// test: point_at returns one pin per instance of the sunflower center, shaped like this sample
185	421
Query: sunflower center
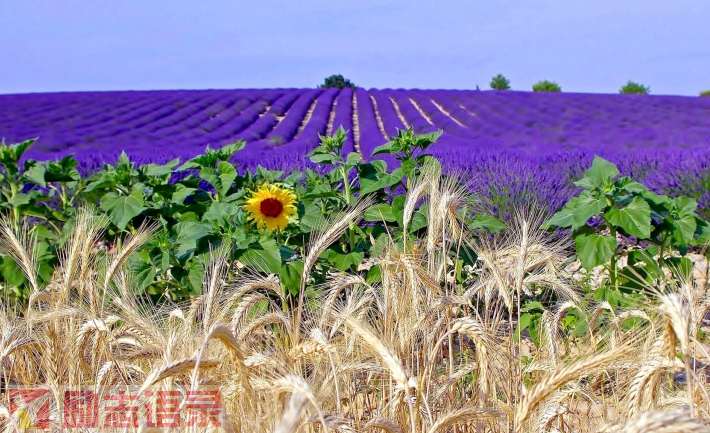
271	207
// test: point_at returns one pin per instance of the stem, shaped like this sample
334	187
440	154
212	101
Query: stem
348	201
614	269
15	209
48	221
689	383
662	251
64	197
346	185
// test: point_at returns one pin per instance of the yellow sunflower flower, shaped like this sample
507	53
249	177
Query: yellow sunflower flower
271	206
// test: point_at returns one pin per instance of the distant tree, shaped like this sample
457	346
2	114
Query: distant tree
499	82
337	81
635	88
546	86
705	93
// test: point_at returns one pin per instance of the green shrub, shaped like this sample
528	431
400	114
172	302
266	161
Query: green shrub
634	88
338	82
705	93
499	82
546	86
210	205
665	228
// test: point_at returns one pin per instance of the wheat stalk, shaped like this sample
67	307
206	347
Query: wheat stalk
173	368
662	422
463	415
537	394
383	423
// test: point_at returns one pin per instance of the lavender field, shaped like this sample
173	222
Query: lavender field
514	146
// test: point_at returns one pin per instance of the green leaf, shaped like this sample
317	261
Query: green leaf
220	212
409	167
532	306
398	209
143	270
594	250
10	155
309	216
419	220
263	256
123	162
11	273
644	260
629	185
63	170
682	267
344	261
374	275
228	150
654	199
380	212
290	276
322	158
268	175
188	235
320	191
578	211
36	174
487	222
374	177
122	209
683	230
607	293
292	178
385	148
181	193
193	280
20	200
221	178
600	174
525	320
634	218
685	205
702	232
353	159
155	170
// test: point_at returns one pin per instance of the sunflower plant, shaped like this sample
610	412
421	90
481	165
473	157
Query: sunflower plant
263	218
271	207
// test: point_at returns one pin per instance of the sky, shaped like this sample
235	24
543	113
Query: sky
584	45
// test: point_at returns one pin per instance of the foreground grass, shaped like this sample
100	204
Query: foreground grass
418	352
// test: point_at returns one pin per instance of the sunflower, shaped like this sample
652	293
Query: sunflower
271	206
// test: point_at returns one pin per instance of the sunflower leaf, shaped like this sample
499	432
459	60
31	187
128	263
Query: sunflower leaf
263	256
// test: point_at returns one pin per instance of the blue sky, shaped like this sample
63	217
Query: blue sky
586	46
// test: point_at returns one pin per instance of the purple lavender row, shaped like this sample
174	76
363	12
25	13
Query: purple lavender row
262	125
61	118
409	111
188	118
288	126
439	118
388	114
344	117
281	106
318	123
227	128
370	134
64	135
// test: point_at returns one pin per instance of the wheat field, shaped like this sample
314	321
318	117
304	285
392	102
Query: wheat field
418	352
